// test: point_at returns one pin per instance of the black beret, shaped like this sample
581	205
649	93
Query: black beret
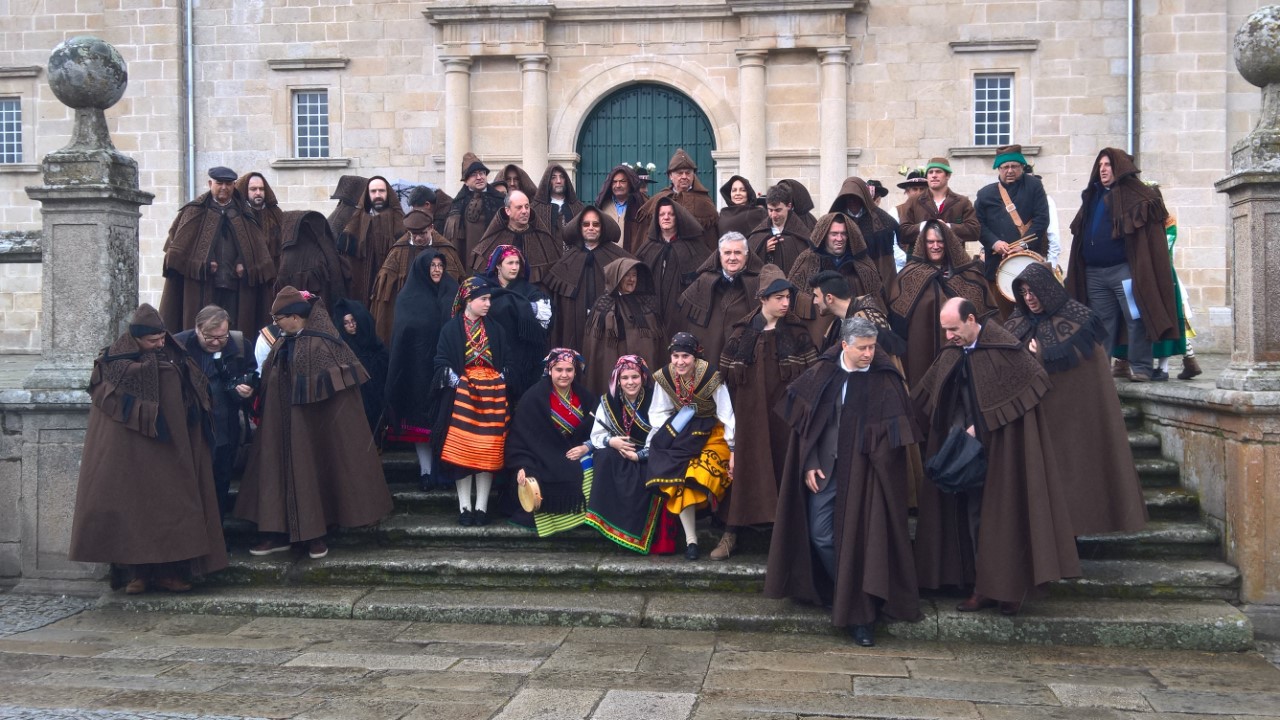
222	174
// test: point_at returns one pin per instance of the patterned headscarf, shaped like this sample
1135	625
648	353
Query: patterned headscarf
685	342
500	253
472	287
563	355
629	362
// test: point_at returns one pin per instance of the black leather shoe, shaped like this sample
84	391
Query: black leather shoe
691	551
863	635
466	519
480	517
1159	376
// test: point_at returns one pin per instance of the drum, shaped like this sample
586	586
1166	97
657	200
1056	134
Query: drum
1011	266
530	495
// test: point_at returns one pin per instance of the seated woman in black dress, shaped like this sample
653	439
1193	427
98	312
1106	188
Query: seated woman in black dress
620	506
549	441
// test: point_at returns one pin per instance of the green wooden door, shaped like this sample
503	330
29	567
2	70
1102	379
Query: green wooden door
643	123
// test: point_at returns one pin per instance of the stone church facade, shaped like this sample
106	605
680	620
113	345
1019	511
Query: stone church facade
308	90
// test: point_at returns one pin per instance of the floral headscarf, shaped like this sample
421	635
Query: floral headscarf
685	342
472	287
500	253
629	362
564	355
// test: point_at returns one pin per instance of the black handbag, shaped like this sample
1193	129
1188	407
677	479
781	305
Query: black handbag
960	463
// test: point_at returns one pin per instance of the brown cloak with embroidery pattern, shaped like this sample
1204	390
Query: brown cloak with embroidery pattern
855	265
793	241
367	238
270	217
622	325
577	280
713	303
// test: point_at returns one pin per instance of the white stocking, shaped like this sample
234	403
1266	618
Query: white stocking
484	481
688	520
464	493
424	458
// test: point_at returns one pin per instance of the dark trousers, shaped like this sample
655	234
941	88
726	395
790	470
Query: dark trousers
822	533
224	465
1108	299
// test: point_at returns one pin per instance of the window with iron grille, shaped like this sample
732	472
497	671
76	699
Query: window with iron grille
311	123
10	130
992	109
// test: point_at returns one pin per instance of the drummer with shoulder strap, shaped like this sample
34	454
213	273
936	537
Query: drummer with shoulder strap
1014	213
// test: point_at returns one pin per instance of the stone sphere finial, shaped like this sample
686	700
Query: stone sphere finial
1257	47
86	72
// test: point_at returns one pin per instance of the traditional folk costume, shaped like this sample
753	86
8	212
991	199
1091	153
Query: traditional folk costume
802	204
372	353
523	311
672	264
1103	491
793	241
879	229
313	463
691	440
619	505
395	269
955	210
423	307
270	217
855	264
1024	536
740	218
713	302
697	201
847	545
548	423
997	206
556	216
625	214
622	323
309	256
149	410
348	192
470	434
917	294
471	211
367	239
578	279
1180	344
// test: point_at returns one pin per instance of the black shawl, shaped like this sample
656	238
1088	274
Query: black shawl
372	354
422	309
1065	330
537	445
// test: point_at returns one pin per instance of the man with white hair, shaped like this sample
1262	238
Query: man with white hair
723	292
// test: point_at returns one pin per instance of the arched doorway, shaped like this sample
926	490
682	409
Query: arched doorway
645	123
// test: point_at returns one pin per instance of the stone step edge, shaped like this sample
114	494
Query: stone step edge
1205	625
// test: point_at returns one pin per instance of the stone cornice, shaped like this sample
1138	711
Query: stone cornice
772	7
990	46
310	163
988	151
20	71
335	63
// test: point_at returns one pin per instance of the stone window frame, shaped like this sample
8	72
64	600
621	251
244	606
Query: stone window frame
307	145
286	150
20	82
1008	56
1011	109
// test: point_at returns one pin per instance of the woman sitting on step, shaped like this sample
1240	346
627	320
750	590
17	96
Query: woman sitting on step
550	442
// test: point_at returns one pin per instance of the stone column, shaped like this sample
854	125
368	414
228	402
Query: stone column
533	84
457	115
89	204
833	106
752	161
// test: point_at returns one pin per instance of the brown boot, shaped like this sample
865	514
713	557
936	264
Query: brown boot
727	543
1120	369
1190	368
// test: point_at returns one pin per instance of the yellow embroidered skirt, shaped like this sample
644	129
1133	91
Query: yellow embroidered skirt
705	477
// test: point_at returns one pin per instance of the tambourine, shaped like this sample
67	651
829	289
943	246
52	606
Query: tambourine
530	495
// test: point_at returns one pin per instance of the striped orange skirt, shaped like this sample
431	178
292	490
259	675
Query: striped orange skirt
477	433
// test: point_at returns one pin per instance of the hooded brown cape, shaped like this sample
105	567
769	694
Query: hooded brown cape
1137	215
1104	492
395	271
739	218
673	265
578	279
801	202
189	282
539	248
873	430
470	216
367	238
917	295
313	463
757	365
710	306
957	211
622	325
793	241
879	229
309	257
554	219
699	204
1026	538
855	264
348	192
270	217
150	410
633	229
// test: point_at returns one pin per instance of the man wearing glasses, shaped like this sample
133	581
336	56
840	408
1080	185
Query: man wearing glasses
233	376
1010	209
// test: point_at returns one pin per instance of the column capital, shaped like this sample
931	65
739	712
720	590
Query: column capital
456	63
751	58
832	55
534	62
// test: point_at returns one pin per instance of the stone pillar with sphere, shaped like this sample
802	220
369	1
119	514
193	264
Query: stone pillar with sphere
89	205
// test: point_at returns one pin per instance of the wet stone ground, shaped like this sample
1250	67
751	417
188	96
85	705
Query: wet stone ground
60	659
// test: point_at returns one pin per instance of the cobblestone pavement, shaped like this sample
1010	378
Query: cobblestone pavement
19	613
116	665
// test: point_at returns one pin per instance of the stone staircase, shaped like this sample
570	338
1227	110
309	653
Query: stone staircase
1163	587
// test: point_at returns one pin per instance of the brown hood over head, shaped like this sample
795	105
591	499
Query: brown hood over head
681	161
544	187
242	187
687	226
854	187
350	189
801	200
1122	165
609	230
525	185
146	320
393	201
1048	290
614	271
856	244
725	188
637	194
956	255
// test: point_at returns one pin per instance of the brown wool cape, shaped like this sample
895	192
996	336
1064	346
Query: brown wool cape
757	365
633	229
873	430
917	294
149	412
855	265
555	218
395	271
366	240
801	202
711	304
699	204
188	280
793	241
1026	537
1102	485
578	279
539	248
471	212
739	218
673	265
313	463
309	256
622	325
957	212
1137	215
270	217
348	192
879	229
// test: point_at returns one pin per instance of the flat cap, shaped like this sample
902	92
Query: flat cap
222	174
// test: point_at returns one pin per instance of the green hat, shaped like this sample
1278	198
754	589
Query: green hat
940	163
1009	153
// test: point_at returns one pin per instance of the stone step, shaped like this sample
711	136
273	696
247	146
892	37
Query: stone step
618	570
1171	503
1204	625
1144	444
1158	472
1160	539
1132	416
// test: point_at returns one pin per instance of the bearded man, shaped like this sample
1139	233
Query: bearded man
262	200
556	202
621	198
369	235
217	254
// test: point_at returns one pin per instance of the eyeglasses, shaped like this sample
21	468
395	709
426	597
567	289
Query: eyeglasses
1024	291
214	338
1010	166
588	223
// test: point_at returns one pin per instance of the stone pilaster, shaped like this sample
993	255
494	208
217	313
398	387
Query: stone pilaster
457	114
752	118
833	108
533	83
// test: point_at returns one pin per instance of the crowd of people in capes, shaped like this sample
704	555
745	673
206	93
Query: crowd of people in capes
631	363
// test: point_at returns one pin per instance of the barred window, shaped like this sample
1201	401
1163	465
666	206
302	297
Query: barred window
992	109
311	123
10	130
